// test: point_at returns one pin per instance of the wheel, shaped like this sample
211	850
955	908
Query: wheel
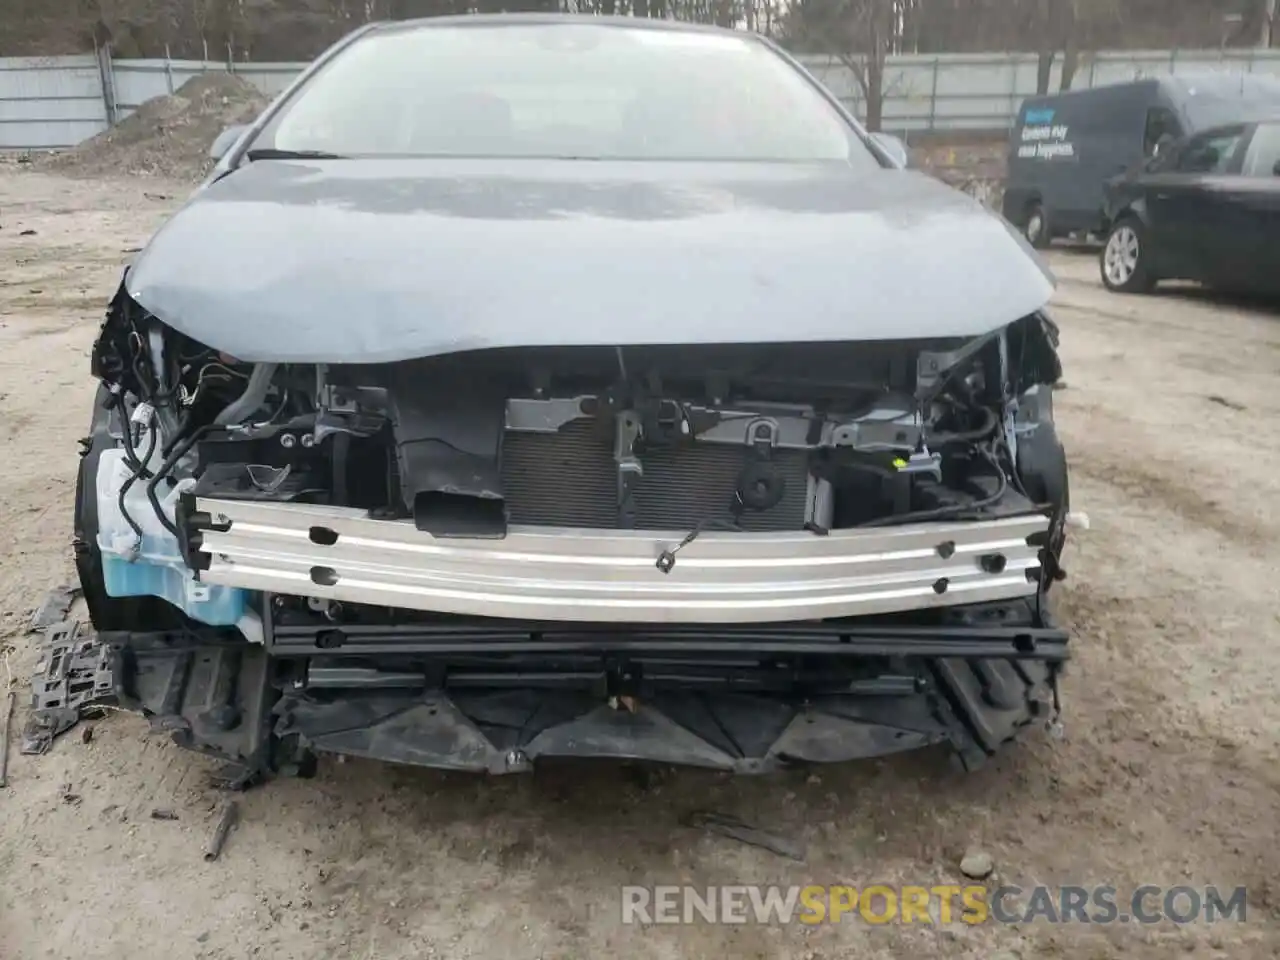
1123	260
1036	226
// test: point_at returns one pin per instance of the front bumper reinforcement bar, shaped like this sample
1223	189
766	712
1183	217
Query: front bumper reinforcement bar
611	576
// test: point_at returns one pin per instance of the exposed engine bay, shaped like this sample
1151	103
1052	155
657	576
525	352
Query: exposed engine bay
685	553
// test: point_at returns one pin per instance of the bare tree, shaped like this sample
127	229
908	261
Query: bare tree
1267	29
201	12
860	34
1070	27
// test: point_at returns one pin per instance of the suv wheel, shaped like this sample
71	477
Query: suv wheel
1036	227
1123	260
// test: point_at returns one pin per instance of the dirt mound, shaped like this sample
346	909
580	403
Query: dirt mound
167	136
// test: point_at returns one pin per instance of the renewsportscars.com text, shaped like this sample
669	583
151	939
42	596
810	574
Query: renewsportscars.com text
938	904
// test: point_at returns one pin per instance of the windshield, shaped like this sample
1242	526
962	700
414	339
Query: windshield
563	90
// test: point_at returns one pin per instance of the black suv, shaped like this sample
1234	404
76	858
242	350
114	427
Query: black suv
1206	208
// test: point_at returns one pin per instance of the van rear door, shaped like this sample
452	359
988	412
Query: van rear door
1079	141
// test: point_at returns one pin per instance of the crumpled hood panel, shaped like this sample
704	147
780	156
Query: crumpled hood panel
364	261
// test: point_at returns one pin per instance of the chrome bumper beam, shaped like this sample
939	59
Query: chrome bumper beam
602	576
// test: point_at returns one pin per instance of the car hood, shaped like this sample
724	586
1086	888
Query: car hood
363	261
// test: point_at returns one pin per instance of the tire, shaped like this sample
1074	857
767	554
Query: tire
1123	261
1035	226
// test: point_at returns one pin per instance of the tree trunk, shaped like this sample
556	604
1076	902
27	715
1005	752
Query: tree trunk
875	113
1044	72
1070	62
1045	46
875	86
1068	33
871	75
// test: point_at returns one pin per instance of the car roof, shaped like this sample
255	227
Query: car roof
1218	85
1101	90
1228	86
558	19
1243	120
1215	100
1204	101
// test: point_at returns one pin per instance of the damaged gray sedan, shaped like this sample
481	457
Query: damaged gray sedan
521	387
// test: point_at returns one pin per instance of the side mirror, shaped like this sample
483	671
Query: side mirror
893	147
226	140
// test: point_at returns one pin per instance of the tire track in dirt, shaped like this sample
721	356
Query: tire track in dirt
1180	497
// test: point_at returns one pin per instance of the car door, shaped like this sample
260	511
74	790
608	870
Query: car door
1184	202
1252	213
1132	194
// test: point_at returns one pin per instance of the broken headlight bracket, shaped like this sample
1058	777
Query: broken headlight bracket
73	673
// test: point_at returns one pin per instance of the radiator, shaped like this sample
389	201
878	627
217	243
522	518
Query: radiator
569	479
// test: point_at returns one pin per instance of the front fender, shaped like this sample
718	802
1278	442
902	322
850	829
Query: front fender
1126	207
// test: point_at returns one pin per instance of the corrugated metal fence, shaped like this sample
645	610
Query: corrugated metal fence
53	102
50	101
984	91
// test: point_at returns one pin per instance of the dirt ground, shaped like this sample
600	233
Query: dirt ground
1168	773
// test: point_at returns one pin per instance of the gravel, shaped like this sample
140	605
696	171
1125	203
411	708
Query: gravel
977	865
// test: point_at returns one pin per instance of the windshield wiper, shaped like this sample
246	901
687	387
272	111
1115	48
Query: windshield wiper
276	153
